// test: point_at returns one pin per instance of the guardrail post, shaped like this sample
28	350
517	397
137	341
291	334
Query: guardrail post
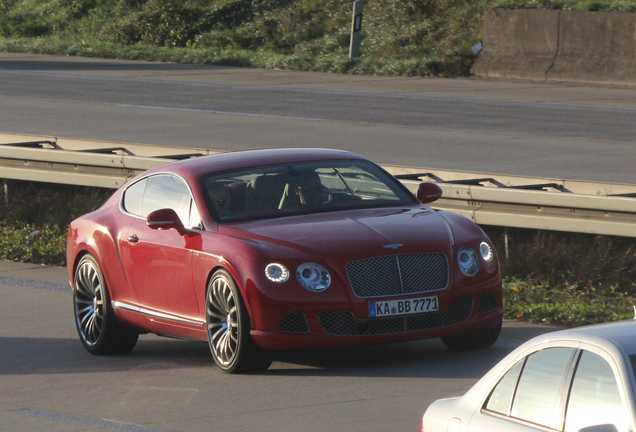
506	245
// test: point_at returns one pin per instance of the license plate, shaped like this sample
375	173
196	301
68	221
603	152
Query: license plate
403	307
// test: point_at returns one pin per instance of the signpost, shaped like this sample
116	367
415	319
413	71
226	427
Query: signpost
356	26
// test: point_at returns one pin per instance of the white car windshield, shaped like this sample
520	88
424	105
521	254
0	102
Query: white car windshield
301	188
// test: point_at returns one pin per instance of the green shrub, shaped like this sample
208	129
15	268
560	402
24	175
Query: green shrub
37	203
567	306
567	279
34	218
31	243
560	259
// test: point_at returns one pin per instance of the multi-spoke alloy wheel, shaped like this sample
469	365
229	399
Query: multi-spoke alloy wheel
228	328
223	322
96	324
89	302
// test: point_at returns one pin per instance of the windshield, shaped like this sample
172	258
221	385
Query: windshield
284	190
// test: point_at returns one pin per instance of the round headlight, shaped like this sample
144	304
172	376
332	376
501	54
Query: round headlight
486	252
277	273
313	277
468	261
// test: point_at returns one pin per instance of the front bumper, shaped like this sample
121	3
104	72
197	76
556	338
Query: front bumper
337	328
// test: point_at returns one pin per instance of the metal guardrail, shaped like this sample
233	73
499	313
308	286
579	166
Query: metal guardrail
82	162
488	199
532	202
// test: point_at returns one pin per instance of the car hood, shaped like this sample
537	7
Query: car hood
354	234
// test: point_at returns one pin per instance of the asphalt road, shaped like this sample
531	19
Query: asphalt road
48	382
536	129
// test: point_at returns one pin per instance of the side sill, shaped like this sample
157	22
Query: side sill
155	314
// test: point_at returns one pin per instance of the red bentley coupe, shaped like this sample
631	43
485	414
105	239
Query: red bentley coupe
277	249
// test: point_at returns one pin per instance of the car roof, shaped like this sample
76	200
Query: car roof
619	333
251	158
615	337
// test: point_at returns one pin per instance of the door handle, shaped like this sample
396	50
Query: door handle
132	239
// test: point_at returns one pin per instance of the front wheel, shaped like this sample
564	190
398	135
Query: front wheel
480	339
228	328
96	323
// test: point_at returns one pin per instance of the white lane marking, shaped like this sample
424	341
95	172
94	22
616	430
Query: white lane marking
219	112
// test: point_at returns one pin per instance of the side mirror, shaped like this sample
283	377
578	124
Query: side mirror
428	192
166	219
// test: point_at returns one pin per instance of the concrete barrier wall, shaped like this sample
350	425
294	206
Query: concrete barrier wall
518	43
546	45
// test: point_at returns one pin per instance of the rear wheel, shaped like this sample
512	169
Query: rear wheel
480	339
98	329
229	328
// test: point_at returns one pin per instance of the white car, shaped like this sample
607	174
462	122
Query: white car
576	380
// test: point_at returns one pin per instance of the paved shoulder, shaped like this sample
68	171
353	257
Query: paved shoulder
34	276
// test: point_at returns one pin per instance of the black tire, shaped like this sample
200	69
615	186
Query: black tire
480	339
97	326
228	327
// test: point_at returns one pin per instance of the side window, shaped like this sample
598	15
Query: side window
594	396
169	191
500	399
539	391
133	197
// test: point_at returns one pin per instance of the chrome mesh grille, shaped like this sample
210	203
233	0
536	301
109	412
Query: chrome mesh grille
487	303
346	324
294	323
398	274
